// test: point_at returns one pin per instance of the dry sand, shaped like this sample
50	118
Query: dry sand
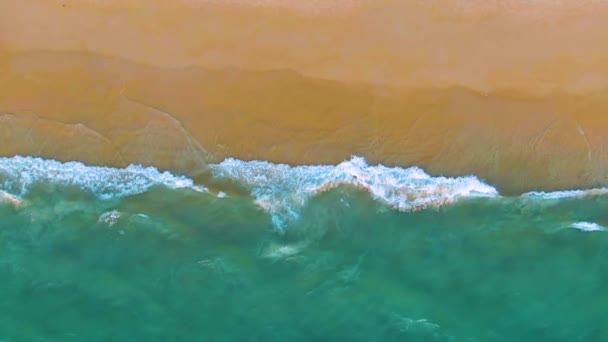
515	92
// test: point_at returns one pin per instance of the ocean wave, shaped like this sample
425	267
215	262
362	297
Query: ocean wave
18	174
283	190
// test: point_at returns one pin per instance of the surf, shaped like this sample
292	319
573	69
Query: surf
19	174
280	190
283	190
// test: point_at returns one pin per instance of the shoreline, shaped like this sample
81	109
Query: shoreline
511	91
282	191
113	112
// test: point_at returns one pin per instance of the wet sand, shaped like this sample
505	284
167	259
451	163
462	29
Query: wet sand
517	95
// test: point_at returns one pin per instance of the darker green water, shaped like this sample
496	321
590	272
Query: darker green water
175	265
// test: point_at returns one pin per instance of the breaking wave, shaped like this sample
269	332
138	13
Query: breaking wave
282	190
18	174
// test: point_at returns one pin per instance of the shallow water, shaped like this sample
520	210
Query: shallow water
168	261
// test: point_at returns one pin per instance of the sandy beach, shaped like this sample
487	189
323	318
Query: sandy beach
510	91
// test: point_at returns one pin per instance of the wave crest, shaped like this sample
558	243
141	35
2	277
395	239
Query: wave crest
18	174
282	189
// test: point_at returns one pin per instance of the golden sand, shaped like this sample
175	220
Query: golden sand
536	46
512	91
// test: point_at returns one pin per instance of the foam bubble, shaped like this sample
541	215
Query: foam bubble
18	174
110	217
282	189
588	226
277	251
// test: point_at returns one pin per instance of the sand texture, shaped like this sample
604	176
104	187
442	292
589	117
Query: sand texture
514	92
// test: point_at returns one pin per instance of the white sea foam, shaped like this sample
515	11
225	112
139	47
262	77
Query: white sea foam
18	174
565	193
110	217
588	226
282	189
277	251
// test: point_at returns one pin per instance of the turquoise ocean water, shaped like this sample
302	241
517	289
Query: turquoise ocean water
268	252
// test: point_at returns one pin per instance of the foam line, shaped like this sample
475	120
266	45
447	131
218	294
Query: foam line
18	174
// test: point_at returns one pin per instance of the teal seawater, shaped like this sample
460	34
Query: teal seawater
166	261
